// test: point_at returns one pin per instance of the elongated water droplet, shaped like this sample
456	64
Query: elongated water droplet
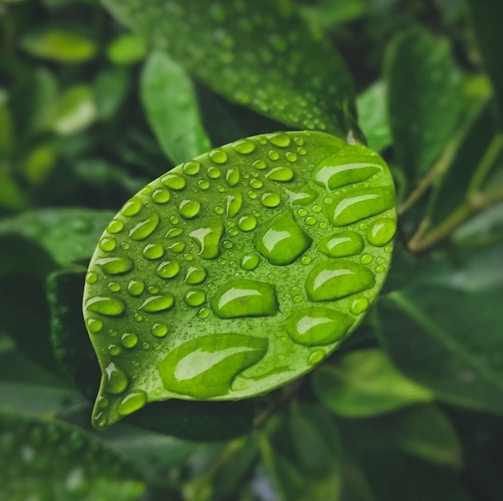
245	298
174	181
115	265
283	174
282	241
334	280
302	195
341	170
208	239
280	140
132	402
232	176
244	146
381	231
155	304
145	228
233	203
344	243
108	306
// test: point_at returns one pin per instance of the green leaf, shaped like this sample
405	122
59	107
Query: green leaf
365	383
424	98
302	455
373	116
67	235
451	344
59	44
126	49
421	430
110	89
74	111
292	76
171	107
327	14
485	16
270	234
53	460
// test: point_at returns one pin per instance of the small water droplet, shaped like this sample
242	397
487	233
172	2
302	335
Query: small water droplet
115	265
114	350
270	199
168	269
108	306
256	184
273	155
280	140
116	380
218	155
173	181
259	164
189	208
244	146
153	251
174	232
131	207
366	259
291	156
232	176
132	402
135	287
115	226
159	329
91	277
381	231
107	244
359	305
161	196
195	298
247	223
191	168
114	286
339	170
301	195
233	203
249	262
204	313
316	357
213	172
129	340
155	304
144	228
176	247
203	184
195	275
94	325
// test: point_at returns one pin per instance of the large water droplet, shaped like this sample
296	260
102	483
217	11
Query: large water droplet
317	326
144	228
361	204
132	402
208	239
115	265
333	280
282	241
344	243
381	231
111	307
245	298
155	304
342	170
116	380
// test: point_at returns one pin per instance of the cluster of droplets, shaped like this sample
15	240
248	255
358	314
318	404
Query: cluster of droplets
252	229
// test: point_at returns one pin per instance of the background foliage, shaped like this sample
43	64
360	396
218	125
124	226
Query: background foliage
410	407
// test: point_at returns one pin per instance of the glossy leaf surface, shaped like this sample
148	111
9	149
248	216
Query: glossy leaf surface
238	271
306	83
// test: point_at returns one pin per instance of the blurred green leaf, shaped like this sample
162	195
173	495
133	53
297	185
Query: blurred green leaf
172	109
126	49
365	383
59	44
373	116
447	340
55	461
484	228
327	14
421	430
290	76
11	195
45	96
39	163
74	111
424	98
110	89
485	16
68	235
6	131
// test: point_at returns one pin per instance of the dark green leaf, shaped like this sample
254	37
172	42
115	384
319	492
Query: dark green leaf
424	98
365	383
268	244
55	461
290	76
448	340
172	109
110	89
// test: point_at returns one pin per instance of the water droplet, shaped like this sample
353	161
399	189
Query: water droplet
94	325
270	199
380	269
311	220
168	269
91	277
232	176
249	262
302	151
195	298
153	289
107	244
244	146
361	204
115	226
339	170
144	228
247	223
195	275
204	313
114	286
131	207
135	287
176	247
305	260
359	305
291	156
116	380
155	304
204	184
282	241
244	298
159	329
381	231
189	208
256	184
161	196
344	243
213	172
302	195
282	174
208	239
233	203
317	326
173	181
334	280
366	259
280	140
218	156
111	307
273	155
153	251
114	350
316	357
132	402
174	232
259	164
115	265
191	168
129	340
